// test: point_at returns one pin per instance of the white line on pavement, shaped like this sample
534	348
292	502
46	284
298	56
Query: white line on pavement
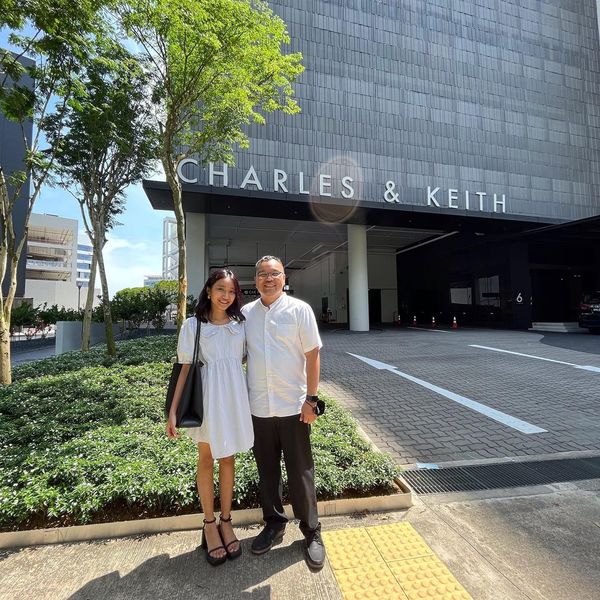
433	330
560	362
492	413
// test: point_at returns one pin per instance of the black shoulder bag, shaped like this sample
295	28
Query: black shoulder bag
190	410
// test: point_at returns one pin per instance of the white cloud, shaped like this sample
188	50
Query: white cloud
127	262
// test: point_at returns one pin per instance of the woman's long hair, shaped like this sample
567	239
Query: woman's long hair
203	306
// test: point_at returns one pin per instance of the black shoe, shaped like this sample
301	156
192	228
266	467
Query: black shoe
266	539
211	559
315	549
230	553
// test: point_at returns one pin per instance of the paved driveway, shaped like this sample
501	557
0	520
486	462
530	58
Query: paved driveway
445	398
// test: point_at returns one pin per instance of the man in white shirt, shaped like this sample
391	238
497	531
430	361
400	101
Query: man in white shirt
283	376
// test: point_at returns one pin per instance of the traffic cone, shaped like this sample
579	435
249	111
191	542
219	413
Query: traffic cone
414	320
433	321
454	323
398	320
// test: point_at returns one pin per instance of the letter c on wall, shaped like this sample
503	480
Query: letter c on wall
182	177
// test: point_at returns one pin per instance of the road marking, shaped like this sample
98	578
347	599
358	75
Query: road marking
434	330
492	413
560	362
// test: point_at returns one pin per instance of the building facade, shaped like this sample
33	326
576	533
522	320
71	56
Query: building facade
57	267
85	252
434	137
12	154
152	280
170	249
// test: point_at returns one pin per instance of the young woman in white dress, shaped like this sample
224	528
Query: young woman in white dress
227	425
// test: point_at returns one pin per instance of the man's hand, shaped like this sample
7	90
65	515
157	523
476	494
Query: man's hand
307	414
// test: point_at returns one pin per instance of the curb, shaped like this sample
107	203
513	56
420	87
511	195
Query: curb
250	516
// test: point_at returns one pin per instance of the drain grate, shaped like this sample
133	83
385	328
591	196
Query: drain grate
501	475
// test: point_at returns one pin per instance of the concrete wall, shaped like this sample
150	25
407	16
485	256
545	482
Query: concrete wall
68	335
63	293
314	283
329	278
382	276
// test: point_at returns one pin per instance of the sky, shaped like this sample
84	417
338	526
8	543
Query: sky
134	248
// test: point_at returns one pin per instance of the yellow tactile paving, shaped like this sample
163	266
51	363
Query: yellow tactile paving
398	540
348	548
374	581
389	562
427	577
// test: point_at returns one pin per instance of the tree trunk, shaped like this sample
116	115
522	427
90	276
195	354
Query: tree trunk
9	257
89	305
5	369
110	338
175	185
6	305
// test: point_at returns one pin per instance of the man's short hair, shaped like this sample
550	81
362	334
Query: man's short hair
267	258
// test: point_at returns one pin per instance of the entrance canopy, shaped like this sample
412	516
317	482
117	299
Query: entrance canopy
243	224
581	230
357	261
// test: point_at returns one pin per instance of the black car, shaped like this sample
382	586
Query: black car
589	312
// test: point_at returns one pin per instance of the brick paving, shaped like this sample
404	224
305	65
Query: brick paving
414	424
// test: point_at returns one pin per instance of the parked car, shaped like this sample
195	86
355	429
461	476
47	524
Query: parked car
589	312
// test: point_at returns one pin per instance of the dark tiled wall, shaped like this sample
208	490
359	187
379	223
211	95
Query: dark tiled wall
494	96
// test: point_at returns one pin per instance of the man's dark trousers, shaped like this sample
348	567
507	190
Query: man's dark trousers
272	436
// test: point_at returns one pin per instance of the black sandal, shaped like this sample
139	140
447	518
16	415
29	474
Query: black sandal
230	554
212	560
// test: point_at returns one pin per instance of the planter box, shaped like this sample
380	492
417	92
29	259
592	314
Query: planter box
68	335
328	508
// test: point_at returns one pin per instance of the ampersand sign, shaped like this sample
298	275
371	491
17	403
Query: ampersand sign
390	195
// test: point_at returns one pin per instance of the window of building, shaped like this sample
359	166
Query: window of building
488	291
461	295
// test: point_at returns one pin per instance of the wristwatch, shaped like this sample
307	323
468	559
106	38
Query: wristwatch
318	406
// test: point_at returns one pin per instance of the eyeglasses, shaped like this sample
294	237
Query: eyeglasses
273	274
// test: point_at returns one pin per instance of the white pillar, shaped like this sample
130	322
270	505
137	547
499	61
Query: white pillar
195	241
358	278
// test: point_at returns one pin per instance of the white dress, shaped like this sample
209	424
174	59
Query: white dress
227	425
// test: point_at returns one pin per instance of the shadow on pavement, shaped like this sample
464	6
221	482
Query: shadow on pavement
188	575
580	342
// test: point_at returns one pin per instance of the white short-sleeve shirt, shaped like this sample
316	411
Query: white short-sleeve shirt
277	338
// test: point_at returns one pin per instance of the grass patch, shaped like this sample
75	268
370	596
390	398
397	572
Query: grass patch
82	440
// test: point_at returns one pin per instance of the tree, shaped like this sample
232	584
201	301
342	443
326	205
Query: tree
58	46
106	143
129	305
157	300
217	66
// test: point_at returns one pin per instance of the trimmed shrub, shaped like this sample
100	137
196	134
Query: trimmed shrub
85	443
160	348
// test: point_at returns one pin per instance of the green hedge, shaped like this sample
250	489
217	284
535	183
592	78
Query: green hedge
82	443
160	348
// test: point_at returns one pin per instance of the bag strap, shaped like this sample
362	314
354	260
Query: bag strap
197	341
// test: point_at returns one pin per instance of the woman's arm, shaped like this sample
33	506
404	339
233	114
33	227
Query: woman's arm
172	420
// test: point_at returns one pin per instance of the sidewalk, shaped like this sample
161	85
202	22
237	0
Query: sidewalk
27	355
173	566
521	544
